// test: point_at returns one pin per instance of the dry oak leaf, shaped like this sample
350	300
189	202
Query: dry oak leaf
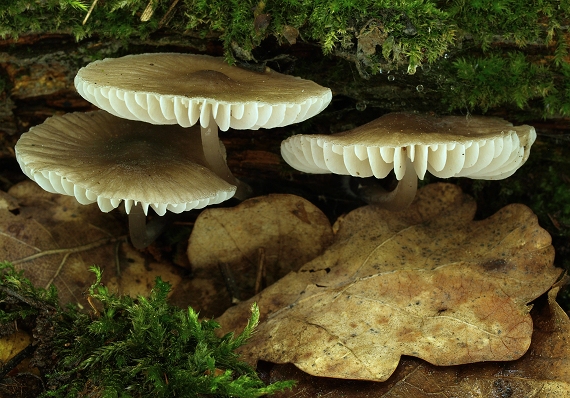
12	344
428	282
286	230
55	240
544	371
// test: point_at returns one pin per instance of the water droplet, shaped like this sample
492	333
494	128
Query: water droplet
380	71
420	88
426	68
391	78
446	56
360	106
451	88
412	69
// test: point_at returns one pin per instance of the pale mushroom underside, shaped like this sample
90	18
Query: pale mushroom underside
239	104
55	183
489	158
59	157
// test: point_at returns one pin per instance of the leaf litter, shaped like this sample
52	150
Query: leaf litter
55	240
429	282
544	371
260	240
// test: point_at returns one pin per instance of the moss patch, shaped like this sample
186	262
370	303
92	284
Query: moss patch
493	43
126	347
495	79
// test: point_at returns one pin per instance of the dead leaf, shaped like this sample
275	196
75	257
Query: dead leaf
203	294
281	231
429	282
54	239
12	344
7	202
137	275
15	351
290	33
372	35
544	371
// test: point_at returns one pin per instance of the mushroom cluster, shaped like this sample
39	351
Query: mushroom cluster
185	89
412	144
145	148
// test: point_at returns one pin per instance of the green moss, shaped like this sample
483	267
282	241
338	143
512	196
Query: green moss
520	21
492	42
31	301
130	347
119	19
508	79
406	32
502	76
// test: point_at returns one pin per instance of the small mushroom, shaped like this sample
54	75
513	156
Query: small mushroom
410	144
98	157
168	88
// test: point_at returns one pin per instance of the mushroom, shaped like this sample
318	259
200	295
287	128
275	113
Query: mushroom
98	157
169	88
410	144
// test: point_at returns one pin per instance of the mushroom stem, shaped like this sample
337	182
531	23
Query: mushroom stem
217	159
399	198
142	233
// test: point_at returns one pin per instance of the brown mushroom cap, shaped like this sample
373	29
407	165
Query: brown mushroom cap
98	157
453	146
168	88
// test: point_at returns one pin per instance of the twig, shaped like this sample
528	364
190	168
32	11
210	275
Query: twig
261	270
117	260
89	12
148	11
63	260
93	307
230	281
165	18
70	250
16	359
27	300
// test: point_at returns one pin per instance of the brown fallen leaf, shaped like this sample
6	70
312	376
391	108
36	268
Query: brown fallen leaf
429	282
12	344
55	240
280	232
7	202
544	371
15	351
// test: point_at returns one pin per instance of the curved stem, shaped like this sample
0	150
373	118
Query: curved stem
142	233
217	160
400	197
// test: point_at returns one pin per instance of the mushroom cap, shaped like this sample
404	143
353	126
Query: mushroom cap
169	88
98	157
477	147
